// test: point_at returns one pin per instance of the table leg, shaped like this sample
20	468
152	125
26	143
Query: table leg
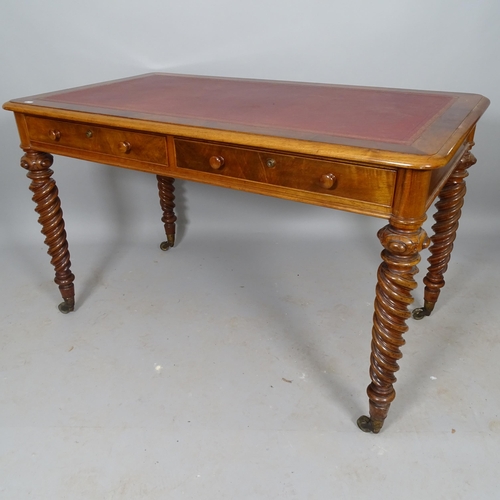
393	296
166	189
451	200
48	206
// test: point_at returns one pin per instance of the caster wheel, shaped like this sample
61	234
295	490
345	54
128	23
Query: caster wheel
164	245
66	307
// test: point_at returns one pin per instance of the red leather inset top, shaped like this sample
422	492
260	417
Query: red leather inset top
393	116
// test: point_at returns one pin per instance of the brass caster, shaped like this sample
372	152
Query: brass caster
419	313
366	424
164	245
422	312
66	306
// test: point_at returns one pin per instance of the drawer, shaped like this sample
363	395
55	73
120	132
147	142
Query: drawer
368	184
121	143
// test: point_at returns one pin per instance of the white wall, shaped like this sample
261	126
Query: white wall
430	44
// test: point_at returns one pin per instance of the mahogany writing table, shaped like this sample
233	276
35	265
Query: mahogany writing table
380	152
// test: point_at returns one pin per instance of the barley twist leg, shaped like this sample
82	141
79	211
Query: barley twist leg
393	296
449	210
48	207
166	190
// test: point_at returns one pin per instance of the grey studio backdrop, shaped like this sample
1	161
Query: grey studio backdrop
66	428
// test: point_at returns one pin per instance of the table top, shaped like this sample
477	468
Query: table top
421	128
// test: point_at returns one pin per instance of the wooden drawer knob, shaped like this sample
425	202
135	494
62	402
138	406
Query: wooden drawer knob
216	162
124	147
327	181
55	135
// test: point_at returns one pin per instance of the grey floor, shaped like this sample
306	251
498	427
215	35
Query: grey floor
235	366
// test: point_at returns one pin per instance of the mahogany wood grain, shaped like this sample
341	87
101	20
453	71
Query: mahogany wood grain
393	297
405	128
382	152
451	200
104	140
166	189
48	207
268	167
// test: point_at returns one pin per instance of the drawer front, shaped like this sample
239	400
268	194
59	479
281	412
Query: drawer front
373	185
104	140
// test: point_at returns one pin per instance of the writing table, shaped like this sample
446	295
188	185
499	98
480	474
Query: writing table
380	152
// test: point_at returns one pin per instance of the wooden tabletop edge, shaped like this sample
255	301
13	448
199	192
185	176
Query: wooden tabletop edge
348	153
